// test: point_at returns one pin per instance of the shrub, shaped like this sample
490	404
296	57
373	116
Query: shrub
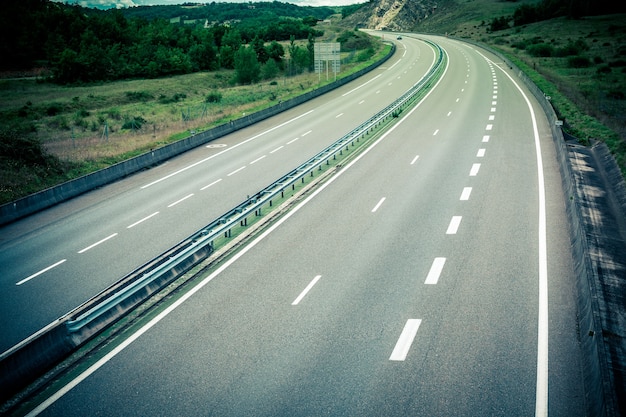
213	97
134	123
541	50
578	62
142	96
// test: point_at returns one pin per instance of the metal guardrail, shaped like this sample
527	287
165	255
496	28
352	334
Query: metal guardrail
58	339
222	225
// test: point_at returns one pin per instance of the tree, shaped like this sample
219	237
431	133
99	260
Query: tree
247	67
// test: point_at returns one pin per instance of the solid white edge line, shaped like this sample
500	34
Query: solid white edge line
435	271
36	274
97	243
541	400
93	368
403	345
142	220
306	290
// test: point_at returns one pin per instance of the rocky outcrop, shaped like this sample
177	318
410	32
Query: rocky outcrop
394	15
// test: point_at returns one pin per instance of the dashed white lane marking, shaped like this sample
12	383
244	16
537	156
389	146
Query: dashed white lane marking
258	159
142	220
474	170
226	150
306	290
481	152
435	271
489	127
36	274
181	200
97	243
377	206
339	115
465	194
236	171
435	132
486	138
292	141
401	350
277	149
453	227
415	159
209	185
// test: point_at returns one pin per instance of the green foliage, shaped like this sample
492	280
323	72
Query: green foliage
578	61
213	97
134	123
354	40
499	23
247	67
541	50
83	45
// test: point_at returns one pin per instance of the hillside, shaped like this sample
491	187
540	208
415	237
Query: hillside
583	58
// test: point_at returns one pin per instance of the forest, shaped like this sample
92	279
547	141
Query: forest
85	45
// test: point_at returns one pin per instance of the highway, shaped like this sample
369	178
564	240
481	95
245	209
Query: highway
431	276
57	259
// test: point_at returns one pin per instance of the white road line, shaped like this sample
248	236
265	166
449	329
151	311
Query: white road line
453	227
258	159
339	115
541	396
97	243
486	138
131	338
362	85
236	171
435	133
306	133
481	152
493	109
415	159
362	101
292	141
492	117
474	170
449	113
36	274
306	290
225	150
377	206
209	185
489	127
142	220
401	350
435	271
277	149
181	200
465	195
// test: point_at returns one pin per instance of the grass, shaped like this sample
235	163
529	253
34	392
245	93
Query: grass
90	127
590	99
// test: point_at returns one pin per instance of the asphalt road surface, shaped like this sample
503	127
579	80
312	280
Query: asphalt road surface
432	276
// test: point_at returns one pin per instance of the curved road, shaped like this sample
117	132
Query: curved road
56	260
431	276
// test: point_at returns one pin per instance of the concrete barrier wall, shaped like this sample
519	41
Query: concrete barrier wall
47	198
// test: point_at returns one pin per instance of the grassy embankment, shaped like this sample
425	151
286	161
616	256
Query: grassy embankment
88	127
585	74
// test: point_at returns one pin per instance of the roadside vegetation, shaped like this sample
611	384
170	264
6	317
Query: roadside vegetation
577	56
52	131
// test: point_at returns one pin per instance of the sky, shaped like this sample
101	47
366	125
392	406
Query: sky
101	4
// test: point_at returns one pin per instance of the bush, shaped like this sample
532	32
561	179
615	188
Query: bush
142	96
541	50
134	123
578	62
213	97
